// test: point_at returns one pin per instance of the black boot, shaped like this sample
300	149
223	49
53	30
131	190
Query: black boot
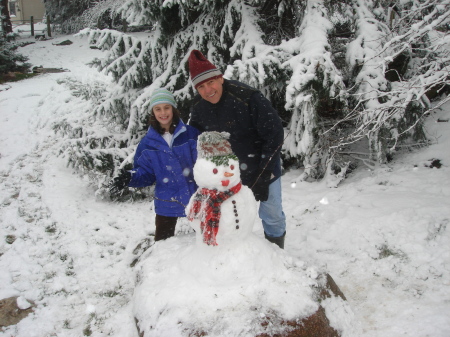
278	241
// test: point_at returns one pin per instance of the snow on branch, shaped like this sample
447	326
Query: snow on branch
388	111
313	71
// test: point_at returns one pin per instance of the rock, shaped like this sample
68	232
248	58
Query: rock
10	313
63	43
434	163
10	239
48	70
329	288
316	325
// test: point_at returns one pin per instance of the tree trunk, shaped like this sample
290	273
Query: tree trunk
6	21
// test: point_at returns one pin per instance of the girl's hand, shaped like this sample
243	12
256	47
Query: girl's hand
118	183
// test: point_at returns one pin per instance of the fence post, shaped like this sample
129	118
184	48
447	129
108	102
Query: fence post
32	25
49	31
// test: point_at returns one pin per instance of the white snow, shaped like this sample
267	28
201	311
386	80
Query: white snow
22	303
383	234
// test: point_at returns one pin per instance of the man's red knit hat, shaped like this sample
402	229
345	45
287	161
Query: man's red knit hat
201	69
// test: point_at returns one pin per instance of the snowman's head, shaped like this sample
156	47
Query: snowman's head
220	173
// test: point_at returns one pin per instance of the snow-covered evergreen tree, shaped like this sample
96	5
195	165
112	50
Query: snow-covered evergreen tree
393	56
70	16
313	92
329	67
10	58
6	27
371	89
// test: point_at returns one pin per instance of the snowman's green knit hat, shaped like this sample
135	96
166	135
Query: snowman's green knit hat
215	146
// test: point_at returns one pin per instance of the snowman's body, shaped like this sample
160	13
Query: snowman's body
238	212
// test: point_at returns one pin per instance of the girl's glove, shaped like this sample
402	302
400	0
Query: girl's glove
117	184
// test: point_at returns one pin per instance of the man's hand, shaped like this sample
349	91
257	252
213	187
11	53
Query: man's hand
117	184
260	187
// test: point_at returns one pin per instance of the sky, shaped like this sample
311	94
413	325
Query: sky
382	234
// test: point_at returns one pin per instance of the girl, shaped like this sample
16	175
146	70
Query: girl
165	156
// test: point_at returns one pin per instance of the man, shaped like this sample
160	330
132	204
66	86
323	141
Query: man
256	136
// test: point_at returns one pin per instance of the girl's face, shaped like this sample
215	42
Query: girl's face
163	114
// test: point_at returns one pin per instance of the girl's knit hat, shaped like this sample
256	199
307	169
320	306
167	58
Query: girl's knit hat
201	69
161	96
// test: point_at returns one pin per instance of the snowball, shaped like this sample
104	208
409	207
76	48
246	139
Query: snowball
22	303
90	308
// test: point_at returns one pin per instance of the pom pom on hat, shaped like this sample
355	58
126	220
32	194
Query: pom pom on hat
201	69
161	96
214	144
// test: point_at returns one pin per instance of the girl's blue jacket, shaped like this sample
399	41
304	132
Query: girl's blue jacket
170	166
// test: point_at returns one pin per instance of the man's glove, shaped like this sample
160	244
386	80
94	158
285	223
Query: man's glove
119	183
260	187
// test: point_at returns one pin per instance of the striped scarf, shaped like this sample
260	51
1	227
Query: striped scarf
206	207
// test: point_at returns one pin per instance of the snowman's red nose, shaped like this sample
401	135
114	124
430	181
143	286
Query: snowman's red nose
227	174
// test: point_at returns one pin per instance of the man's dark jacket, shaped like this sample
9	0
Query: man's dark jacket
256	132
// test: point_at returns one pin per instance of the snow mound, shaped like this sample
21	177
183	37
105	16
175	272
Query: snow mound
227	290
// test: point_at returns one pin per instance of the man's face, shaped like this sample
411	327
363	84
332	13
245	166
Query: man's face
211	90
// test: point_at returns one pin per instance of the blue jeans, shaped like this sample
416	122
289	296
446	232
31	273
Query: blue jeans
271	212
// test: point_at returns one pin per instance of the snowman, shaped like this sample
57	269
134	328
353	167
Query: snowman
230	282
222	210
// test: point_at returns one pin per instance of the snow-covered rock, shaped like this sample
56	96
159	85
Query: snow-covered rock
14	309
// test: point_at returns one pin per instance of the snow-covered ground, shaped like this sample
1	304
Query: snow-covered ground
383	234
